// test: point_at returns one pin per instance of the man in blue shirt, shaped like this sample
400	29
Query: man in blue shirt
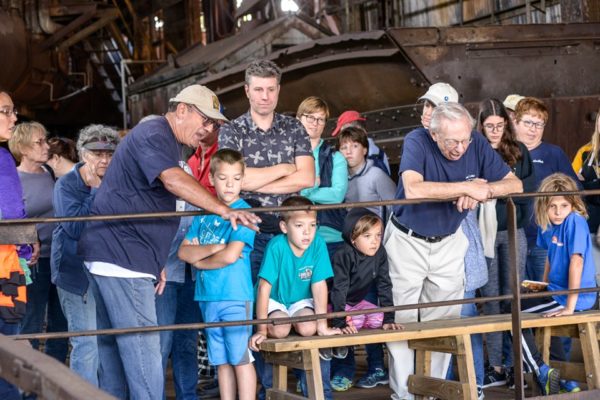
424	242
126	257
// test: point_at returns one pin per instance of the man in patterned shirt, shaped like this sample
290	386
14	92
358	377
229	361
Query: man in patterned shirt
276	149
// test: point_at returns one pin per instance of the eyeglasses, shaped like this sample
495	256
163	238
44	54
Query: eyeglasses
208	123
499	127
452	144
311	119
9	111
531	124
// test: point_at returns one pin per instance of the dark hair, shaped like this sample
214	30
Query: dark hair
63	147
508	147
354	134
295	201
227	156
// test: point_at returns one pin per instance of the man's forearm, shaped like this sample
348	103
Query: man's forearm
506	186
187	188
289	184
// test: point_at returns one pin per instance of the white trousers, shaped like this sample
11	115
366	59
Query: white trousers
422	272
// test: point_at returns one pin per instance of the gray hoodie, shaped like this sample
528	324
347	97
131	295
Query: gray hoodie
371	184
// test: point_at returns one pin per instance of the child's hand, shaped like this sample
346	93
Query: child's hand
327	331
255	340
564	311
393	327
349	329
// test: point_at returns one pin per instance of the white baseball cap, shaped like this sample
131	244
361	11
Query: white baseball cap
439	93
203	98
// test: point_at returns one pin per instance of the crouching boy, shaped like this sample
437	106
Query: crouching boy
223	282
292	279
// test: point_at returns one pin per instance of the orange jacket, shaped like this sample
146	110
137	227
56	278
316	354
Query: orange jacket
13	294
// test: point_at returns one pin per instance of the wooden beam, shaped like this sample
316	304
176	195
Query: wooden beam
67	29
17	234
106	16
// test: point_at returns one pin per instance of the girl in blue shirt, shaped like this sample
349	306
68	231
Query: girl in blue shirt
564	233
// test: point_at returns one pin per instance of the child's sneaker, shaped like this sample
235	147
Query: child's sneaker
340	383
569	386
325	354
480	395
494	378
379	377
549	380
510	379
340	352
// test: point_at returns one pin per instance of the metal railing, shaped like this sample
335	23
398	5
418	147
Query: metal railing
21	365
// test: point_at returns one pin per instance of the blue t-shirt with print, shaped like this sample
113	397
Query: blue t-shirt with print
232	282
421	154
290	276
547	159
132	185
562	241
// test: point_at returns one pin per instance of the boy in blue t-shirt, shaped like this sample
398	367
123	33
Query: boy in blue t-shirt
292	277
223	282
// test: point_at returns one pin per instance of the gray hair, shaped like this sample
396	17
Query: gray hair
263	69
95	132
449	112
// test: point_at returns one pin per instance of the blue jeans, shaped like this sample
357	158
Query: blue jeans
80	312
130	365
42	303
536	261
346	367
8	391
470	310
177	306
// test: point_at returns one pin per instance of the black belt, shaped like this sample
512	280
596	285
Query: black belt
410	232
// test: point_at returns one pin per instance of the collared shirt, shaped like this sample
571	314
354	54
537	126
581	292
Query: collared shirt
200	165
282	143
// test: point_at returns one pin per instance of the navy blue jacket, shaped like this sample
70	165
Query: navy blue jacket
72	197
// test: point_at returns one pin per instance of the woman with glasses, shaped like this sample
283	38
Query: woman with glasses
62	155
495	124
12	257
531	116
29	147
331	172
73	195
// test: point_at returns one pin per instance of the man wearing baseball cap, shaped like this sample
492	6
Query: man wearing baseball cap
425	244
353	118
126	257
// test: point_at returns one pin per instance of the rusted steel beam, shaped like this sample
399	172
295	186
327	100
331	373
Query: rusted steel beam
67	29
34	371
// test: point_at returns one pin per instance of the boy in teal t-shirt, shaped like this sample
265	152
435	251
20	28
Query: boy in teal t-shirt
223	282
292	277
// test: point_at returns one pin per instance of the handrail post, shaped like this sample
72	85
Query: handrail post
516	302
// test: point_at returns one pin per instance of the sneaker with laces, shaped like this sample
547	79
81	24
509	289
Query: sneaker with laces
510	379
325	354
378	377
549	380
569	386
494	378
340	383
340	352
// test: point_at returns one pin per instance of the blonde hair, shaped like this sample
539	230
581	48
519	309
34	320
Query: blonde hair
312	105
556	183
365	223
22	137
594	143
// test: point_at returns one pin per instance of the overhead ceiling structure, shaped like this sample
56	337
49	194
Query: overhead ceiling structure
382	73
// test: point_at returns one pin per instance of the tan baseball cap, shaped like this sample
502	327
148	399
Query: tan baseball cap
203	98
512	100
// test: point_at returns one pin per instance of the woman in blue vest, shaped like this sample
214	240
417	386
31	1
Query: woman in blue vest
331	173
